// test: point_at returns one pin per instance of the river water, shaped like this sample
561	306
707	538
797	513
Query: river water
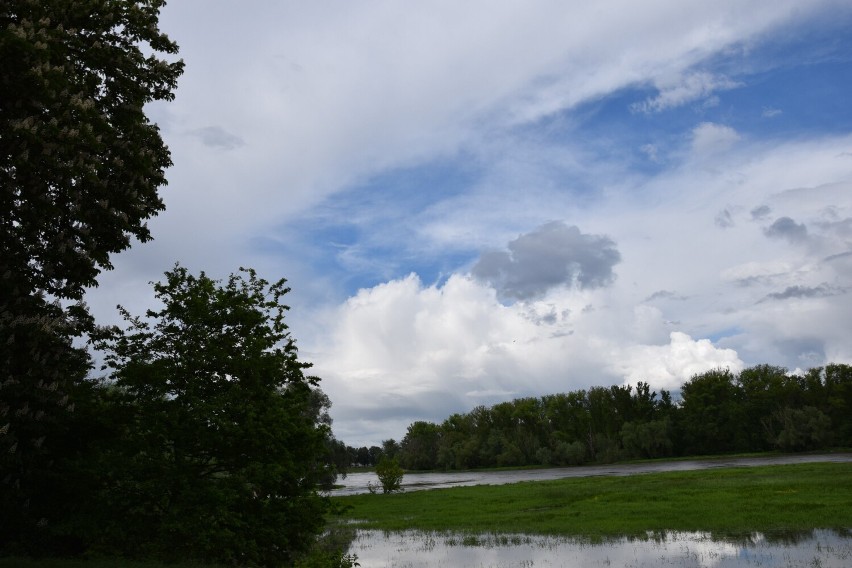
356	483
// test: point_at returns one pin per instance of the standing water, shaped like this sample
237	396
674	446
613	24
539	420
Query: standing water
415	549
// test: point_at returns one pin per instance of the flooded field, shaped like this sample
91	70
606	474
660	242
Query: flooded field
415	549
356	483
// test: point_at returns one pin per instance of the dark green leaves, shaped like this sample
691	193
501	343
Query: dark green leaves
225	439
80	164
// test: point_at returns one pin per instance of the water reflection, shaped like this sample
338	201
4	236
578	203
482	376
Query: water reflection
415	549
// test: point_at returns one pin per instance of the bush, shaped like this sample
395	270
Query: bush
390	474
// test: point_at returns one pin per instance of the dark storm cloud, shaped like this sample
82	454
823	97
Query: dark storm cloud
550	256
786	228
217	137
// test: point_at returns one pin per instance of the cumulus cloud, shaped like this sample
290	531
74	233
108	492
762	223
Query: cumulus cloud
428	351
787	228
709	138
680	90
553	255
433	350
668	366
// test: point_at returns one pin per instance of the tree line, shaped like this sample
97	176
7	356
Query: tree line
761	408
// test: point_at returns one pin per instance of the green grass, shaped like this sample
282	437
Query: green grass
722	501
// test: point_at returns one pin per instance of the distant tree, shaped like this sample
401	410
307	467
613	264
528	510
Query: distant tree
80	169
390	474
376	454
530	428
800	429
764	390
336	461
837	401
362	455
419	447
712	414
604	423
225	445
647	439
390	448
457	445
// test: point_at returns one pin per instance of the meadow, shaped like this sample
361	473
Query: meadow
727	501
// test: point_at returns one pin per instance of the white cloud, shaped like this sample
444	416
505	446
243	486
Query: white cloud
437	350
323	95
668	366
677	91
709	139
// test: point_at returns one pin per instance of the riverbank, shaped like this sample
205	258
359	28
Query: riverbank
731	500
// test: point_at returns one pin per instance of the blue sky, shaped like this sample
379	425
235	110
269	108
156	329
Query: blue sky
478	201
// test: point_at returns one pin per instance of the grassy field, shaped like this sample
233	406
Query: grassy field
723	501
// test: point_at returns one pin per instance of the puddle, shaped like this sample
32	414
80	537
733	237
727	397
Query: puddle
416	549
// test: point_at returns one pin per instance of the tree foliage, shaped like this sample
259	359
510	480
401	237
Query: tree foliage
80	168
80	163
223	436
42	373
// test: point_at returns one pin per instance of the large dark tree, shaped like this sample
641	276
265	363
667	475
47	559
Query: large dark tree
80	167
224	440
80	163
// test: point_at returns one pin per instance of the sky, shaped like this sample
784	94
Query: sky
484	200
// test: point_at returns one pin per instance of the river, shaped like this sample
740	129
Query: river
357	483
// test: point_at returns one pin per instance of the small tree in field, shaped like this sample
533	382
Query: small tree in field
224	446
390	474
